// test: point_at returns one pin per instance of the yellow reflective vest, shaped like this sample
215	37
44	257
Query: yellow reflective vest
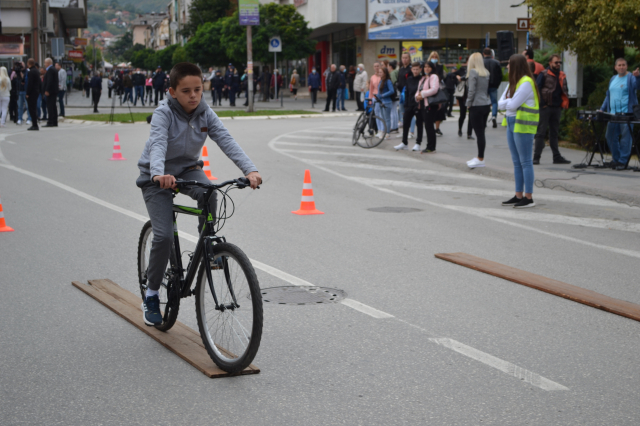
527	117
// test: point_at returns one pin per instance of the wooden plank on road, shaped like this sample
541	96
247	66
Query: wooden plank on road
181	340
548	285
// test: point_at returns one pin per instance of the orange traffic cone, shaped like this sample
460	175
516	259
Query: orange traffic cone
206	169
117	155
307	205
3	224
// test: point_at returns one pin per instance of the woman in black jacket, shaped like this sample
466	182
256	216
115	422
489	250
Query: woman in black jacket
461	76
411	108
441	114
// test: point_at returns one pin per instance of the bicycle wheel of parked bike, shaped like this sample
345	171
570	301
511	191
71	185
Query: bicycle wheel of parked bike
366	135
357	128
232	332
168	309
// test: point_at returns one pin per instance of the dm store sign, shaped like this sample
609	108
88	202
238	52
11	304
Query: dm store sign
403	19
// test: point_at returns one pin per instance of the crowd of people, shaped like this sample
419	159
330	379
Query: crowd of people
131	85
35	90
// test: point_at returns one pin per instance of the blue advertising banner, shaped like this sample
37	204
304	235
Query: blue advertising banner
249	12
403	19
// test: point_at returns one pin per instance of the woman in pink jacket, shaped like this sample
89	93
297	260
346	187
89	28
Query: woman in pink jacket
428	86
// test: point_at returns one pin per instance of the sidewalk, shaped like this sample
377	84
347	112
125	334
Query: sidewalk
454	151
78	104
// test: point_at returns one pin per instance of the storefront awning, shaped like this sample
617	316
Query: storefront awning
74	17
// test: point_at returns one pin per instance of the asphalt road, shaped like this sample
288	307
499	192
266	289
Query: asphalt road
443	344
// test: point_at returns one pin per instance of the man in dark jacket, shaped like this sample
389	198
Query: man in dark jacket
403	73
158	84
232	83
217	83
314	85
128	87
32	85
554	97
51	92
333	83
411	107
96	90
495	78
138	85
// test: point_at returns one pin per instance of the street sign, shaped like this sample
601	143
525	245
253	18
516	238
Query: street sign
173	25
57	47
80	41
76	55
275	44
524	24
249	12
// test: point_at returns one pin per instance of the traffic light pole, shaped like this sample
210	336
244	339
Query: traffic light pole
249	70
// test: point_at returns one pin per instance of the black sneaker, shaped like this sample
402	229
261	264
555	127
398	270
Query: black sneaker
524	203
438	132
536	162
460	133
495	123
428	151
512	202
471	138
151	311
561	160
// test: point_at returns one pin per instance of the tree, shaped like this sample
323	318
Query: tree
123	44
595	29
143	58
203	11
164	57
180	55
224	41
88	55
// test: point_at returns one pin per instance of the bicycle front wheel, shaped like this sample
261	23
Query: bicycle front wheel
358	128
369	136
169	302
230	331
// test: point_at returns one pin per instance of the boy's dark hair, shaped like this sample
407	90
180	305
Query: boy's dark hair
487	51
416	64
182	70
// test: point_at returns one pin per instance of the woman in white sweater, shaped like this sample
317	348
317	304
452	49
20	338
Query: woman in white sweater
360	86
5	94
521	101
428	86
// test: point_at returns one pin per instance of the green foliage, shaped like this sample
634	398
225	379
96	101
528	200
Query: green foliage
164	58
591	28
596	98
96	21
143	58
123	44
543	55
127	55
204	11
88	55
224	41
180	55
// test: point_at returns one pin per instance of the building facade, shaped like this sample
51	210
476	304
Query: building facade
29	25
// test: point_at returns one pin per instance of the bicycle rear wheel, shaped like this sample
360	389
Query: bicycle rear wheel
232	333
357	129
166	292
368	137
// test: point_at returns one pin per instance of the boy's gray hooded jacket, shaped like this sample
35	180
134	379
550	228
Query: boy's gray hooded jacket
176	140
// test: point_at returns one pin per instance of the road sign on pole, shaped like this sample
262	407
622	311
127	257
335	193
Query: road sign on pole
249	13
275	45
57	47
524	24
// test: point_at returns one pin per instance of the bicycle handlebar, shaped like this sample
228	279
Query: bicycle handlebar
242	182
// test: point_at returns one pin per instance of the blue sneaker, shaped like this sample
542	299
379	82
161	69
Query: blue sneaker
151	311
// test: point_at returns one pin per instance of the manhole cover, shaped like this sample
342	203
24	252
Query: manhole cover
295	295
394	210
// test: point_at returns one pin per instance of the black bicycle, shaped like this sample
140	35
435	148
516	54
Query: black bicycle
227	293
370	130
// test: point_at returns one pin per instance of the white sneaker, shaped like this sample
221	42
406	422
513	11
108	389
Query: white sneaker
19	122
416	147
378	135
471	161
401	147
475	163
411	136
28	122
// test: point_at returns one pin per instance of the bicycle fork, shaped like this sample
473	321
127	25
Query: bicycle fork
208	254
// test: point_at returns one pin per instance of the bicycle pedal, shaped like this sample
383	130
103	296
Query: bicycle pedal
216	264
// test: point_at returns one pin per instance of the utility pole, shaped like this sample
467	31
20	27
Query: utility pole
249	69
95	68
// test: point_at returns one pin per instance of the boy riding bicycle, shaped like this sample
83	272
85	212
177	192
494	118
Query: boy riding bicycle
179	128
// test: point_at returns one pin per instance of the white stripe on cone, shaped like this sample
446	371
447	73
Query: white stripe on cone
307	198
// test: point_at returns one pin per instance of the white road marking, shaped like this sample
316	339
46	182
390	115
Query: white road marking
258	265
318	145
315	131
493	192
298	136
402	170
630	253
342	154
497	363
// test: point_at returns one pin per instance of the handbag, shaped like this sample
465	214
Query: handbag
346	93
439	98
459	92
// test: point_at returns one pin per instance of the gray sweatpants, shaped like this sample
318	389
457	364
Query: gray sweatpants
159	205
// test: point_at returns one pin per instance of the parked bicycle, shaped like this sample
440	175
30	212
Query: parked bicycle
227	293
370	130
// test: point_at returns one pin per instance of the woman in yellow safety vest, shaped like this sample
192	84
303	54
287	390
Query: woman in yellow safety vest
521	101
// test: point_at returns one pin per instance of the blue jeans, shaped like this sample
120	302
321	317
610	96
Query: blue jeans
139	94
22	105
521	147
128	94
61	102
493	94
620	149
386	113
394	116
340	101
